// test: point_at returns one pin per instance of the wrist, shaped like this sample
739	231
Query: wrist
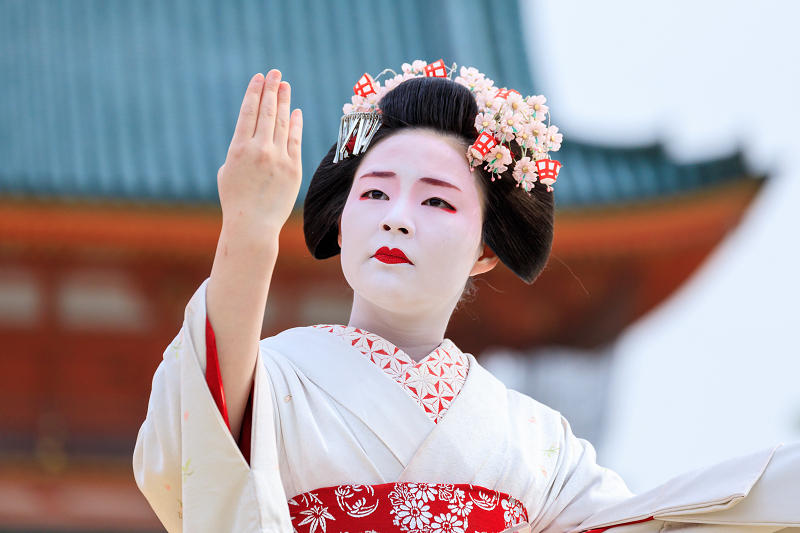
254	226
254	236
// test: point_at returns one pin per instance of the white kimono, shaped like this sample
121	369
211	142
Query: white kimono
324	415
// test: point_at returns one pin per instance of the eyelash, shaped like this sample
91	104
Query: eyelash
368	194
446	206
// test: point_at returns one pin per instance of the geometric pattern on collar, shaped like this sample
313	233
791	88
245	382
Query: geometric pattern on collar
433	383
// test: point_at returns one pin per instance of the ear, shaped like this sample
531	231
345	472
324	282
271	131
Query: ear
487	261
339	237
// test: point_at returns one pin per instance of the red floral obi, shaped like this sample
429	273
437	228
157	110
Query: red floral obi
407	508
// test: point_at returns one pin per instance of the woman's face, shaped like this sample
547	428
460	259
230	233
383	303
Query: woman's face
411	229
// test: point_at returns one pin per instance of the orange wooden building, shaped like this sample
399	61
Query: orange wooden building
90	296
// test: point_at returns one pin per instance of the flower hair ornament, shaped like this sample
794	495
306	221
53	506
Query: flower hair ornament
503	116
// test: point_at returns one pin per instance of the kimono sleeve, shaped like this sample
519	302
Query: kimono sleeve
580	487
752	493
187	464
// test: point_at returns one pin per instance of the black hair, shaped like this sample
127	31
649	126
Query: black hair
518	227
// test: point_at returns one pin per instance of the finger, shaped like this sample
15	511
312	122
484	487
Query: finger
282	118
248	114
269	106
295	134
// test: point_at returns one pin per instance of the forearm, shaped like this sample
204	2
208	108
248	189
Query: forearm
258	186
236	297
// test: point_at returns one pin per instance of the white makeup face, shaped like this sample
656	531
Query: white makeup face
413	195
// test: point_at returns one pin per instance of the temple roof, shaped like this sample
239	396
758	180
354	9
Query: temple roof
138	100
596	175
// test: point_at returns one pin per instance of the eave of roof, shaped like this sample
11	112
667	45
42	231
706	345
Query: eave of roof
142	229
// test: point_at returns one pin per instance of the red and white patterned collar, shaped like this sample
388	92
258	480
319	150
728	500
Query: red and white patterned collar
433	383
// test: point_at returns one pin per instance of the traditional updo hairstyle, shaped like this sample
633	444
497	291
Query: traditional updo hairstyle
517	227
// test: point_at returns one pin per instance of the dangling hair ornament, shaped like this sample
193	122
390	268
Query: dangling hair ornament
503	116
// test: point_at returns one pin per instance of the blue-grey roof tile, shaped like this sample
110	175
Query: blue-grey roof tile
138	100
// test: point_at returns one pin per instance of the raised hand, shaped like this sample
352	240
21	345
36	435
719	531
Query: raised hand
259	182
258	186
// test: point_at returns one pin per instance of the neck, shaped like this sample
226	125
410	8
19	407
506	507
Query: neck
416	333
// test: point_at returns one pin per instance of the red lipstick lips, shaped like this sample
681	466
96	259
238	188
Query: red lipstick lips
391	256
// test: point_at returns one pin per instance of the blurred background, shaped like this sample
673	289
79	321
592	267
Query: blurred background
664	327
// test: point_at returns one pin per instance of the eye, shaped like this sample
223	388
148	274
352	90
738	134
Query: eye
438	202
375	194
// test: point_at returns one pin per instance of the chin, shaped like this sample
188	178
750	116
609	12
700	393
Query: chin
391	287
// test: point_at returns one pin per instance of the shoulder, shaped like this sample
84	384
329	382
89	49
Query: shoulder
525	422
518	406
535	425
308	350
293	339
278	351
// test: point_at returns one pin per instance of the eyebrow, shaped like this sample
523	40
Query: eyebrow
440	183
430	181
378	175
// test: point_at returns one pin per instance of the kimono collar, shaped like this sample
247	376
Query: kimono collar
433	382
470	432
376	347
377	400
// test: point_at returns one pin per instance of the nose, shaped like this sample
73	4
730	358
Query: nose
398	220
404	231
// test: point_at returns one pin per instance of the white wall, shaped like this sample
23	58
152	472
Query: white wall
715	371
